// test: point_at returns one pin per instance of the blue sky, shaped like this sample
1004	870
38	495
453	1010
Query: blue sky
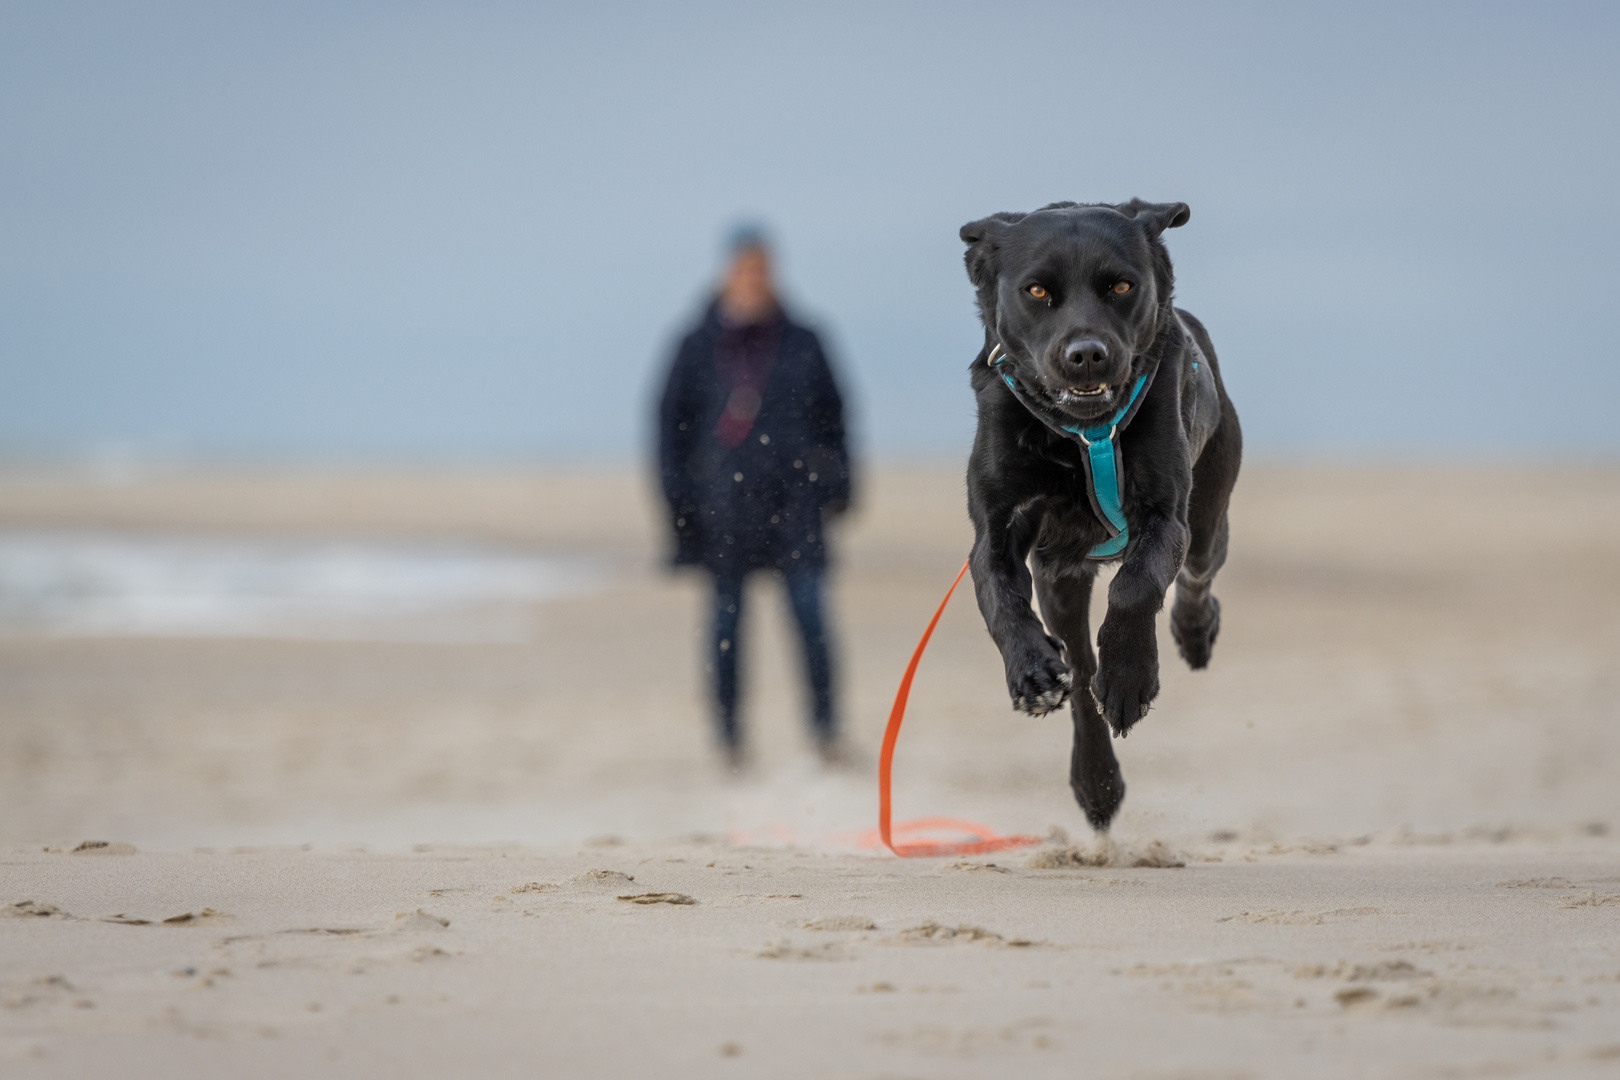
471	231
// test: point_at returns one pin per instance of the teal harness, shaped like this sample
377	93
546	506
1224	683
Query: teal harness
1104	466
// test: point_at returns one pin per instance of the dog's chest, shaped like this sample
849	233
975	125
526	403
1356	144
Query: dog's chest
1065	528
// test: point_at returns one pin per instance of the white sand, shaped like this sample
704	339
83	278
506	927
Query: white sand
1393	792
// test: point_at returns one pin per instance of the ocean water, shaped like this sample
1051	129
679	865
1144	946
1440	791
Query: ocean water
118	584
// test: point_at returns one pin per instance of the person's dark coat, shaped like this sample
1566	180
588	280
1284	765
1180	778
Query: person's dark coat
750	492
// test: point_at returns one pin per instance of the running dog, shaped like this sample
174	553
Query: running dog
1104	435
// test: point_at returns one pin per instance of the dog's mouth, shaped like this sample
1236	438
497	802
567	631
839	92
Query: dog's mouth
1086	397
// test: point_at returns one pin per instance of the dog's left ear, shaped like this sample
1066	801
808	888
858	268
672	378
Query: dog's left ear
1157	216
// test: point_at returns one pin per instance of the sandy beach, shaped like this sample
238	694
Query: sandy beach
1379	837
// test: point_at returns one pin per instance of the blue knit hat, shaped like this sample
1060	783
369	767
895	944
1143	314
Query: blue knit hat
747	236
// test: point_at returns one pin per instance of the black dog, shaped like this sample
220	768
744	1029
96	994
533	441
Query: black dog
1104	433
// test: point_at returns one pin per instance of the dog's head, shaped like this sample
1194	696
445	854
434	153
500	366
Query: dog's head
1074	294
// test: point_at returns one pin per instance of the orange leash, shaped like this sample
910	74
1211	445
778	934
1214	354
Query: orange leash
985	837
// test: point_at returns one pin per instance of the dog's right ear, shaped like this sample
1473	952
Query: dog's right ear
983	238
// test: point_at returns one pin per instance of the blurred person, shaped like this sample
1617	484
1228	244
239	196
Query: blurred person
753	461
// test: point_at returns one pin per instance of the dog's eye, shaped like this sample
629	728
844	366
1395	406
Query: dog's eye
1037	291
1121	288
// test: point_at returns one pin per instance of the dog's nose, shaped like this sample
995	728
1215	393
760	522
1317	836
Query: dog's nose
1086	355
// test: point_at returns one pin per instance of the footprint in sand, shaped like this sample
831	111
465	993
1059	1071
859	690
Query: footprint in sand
1352	997
186	918
598	879
933	933
841	923
46	990
32	909
1383	971
679	899
786	950
1278	917
97	847
1274	917
195	918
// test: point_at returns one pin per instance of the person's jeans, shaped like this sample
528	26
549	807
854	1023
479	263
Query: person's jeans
804	596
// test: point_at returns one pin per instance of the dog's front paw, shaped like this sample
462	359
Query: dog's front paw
1127	677
1040	685
1195	627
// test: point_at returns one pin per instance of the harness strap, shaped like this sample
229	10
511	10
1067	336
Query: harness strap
1104	464
1103	468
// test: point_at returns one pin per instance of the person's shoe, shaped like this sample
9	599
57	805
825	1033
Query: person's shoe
834	752
734	757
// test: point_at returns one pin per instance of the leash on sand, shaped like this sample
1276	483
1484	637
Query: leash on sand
985	838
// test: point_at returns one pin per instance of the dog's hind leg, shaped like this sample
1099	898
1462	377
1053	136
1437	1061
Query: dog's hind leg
1093	770
1195	618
